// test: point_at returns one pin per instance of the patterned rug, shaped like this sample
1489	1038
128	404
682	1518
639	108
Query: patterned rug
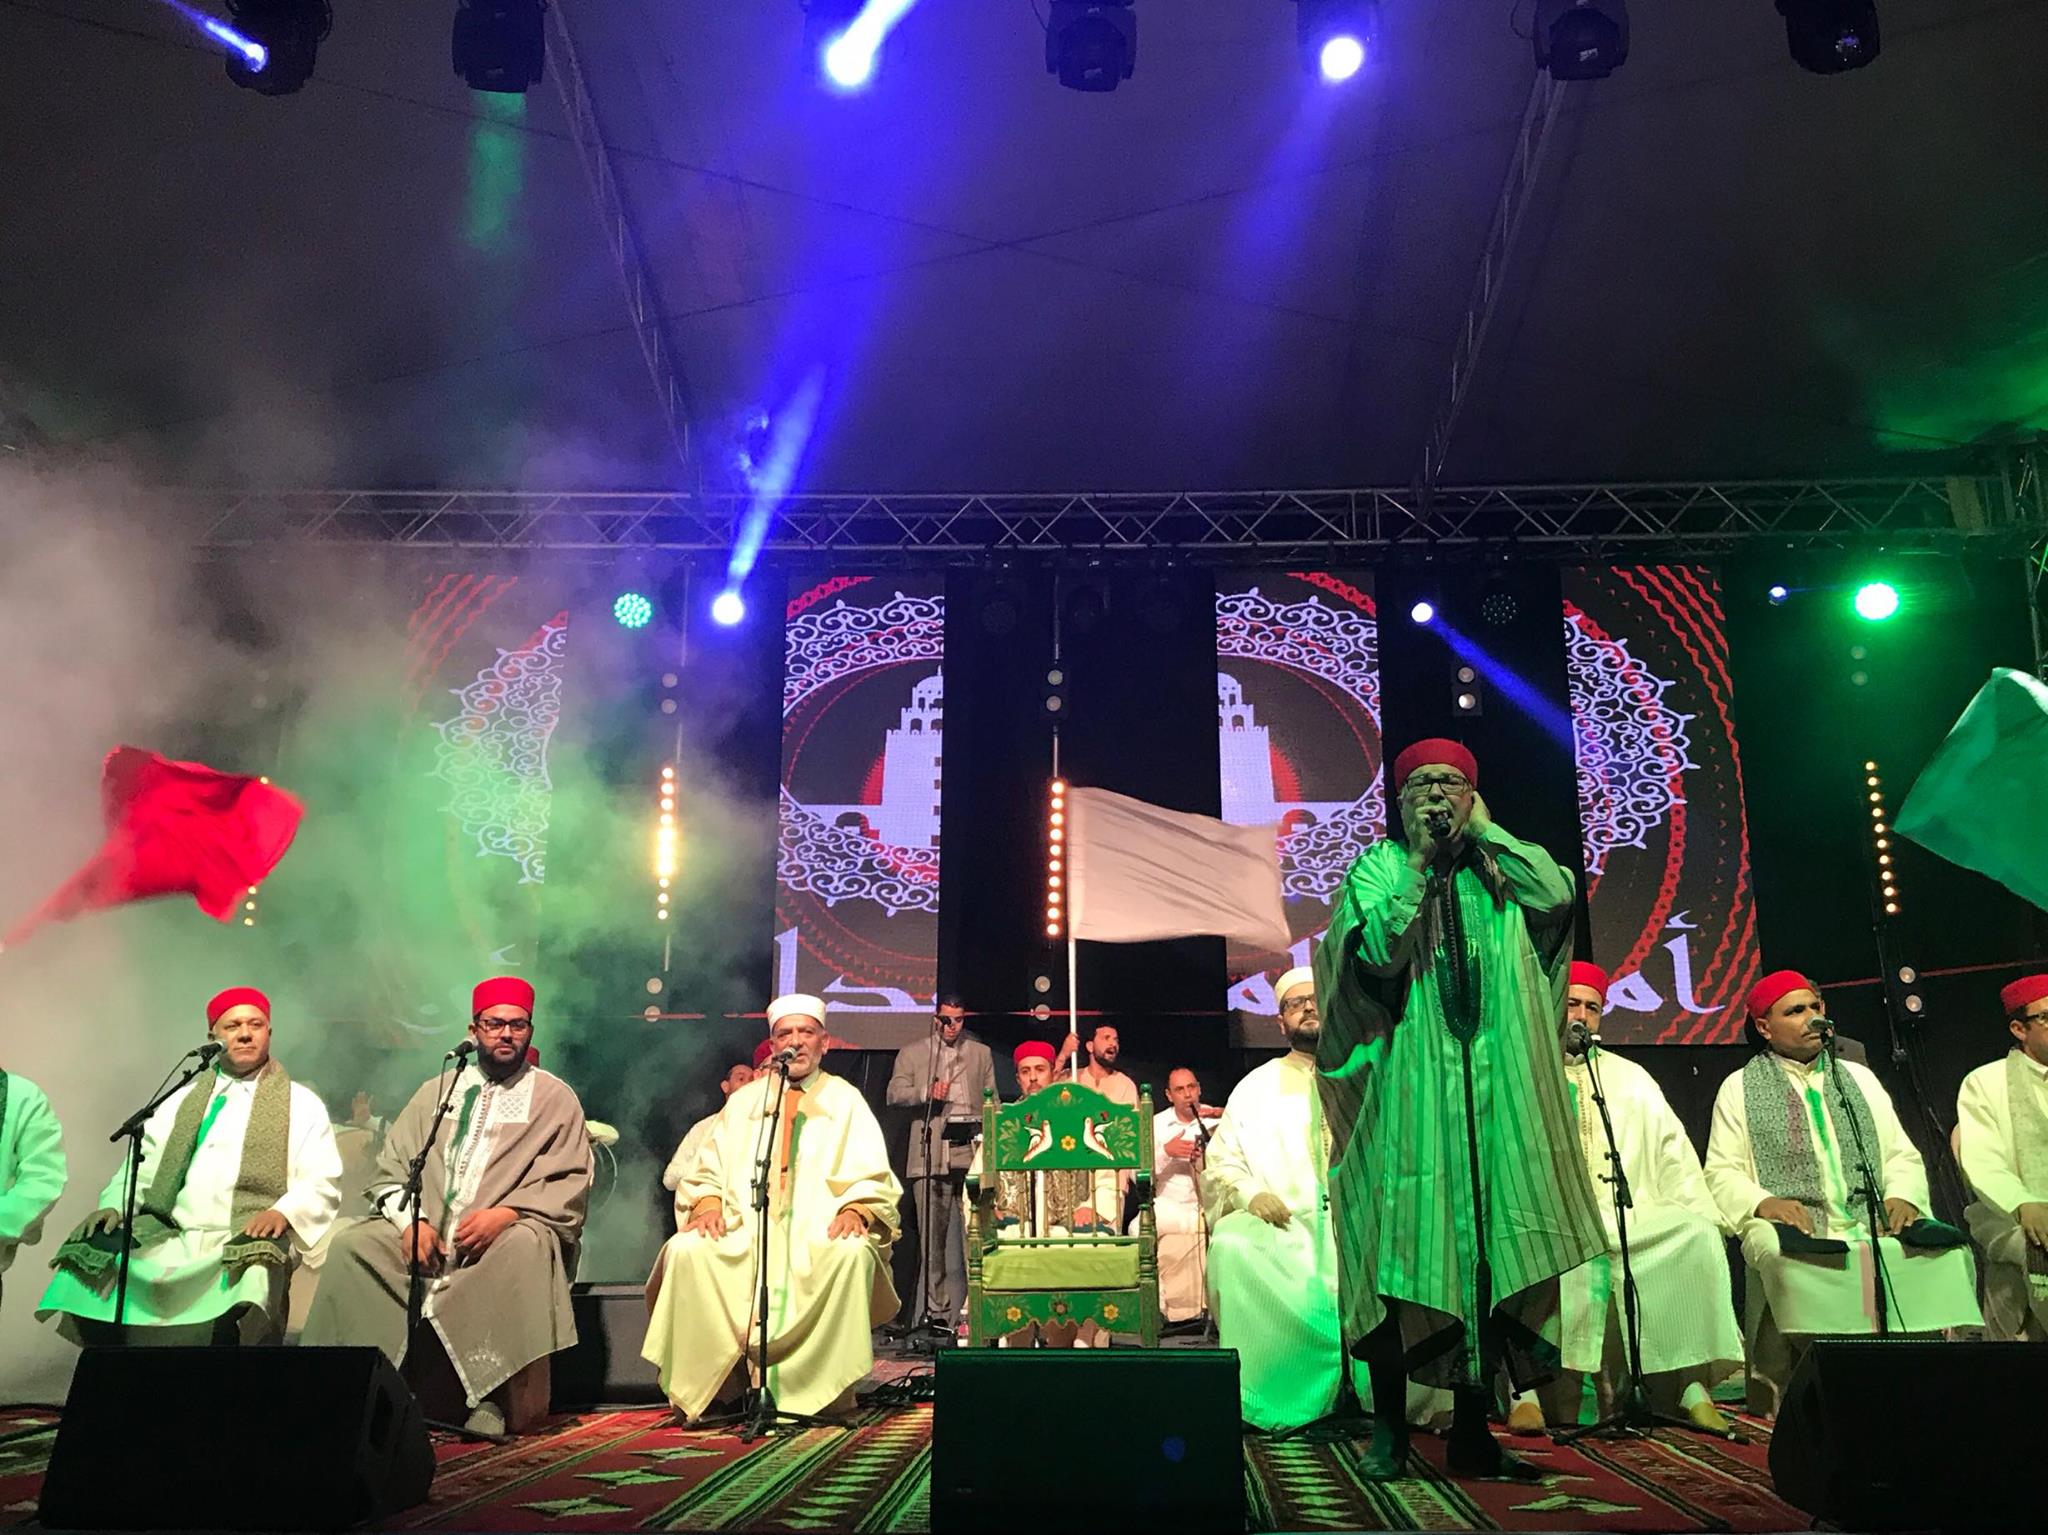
611	1471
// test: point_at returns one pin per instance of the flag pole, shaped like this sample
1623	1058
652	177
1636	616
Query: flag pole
1073	1011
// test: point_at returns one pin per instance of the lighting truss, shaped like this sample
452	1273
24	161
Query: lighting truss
1594	522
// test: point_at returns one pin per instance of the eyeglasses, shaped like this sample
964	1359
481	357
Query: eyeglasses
1448	785
503	1025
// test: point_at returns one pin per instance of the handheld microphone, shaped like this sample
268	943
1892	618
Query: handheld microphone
210	1052
1438	822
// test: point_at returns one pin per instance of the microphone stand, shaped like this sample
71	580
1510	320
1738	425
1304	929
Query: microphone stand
1632	1417
759	1416
131	1128
1873	1206
415	1178
925	1234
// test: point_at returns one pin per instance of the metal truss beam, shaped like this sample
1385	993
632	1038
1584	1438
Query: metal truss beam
1592	522
643	300
1525	160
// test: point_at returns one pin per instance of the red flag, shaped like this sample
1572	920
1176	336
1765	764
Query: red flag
174	828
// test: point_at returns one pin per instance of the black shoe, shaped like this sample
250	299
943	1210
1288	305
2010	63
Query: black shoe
1480	1456
1386	1458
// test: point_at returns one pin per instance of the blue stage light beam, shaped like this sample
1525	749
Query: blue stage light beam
253	53
1342	57
1516	689
849	59
789	434
728	608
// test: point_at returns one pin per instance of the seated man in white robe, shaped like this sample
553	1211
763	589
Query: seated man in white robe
1272	1250
32	1171
1795	1133
1180	1141
1677	1249
2002	1143
831	1218
737	1075
238	1178
499	1225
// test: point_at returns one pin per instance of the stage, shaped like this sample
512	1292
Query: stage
634	1469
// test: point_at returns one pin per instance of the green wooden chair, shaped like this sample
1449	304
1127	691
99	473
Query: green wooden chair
1016	1275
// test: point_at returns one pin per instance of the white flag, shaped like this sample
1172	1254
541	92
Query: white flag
1136	872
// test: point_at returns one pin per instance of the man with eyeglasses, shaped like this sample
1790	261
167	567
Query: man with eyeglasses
500	1222
1457	1186
1272	1267
2002	1143
944	1077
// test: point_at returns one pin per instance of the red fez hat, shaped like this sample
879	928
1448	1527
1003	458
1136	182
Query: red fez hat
761	1053
1767	992
1032	1049
498	991
236	996
1584	974
1435	752
2024	992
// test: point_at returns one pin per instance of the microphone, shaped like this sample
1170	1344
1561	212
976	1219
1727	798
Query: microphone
461	1052
1826	1030
1438	822
210	1052
780	1059
1578	1037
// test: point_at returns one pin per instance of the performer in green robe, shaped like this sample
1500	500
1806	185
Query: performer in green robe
1456	1184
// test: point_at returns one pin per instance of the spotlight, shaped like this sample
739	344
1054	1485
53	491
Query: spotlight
499	45
826	23
632	610
1830	36
849	63
1877	600
1091	44
286	35
1423	612
1581	39
727	608
1335	36
1498	607
1777	594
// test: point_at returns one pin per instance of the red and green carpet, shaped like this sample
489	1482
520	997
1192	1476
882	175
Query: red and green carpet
606	1471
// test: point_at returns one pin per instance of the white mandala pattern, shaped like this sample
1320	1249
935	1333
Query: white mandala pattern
493	754
1630	746
1342	647
836	863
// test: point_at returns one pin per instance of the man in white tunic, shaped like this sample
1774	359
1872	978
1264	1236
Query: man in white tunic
32	1171
1272	1253
2002	1143
737	1075
1785	1163
500	1223
832	1212
239	1177
1676	1243
1180	1140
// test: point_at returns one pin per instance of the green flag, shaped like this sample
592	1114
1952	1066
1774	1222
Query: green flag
1982	802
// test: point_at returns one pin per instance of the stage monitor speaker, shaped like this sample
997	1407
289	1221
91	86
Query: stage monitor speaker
1893	1433
235	1439
1136	1438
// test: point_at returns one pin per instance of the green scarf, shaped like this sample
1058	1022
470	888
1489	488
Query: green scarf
259	1184
1780	1117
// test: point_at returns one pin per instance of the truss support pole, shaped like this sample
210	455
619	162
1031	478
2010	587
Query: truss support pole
643	302
1533	137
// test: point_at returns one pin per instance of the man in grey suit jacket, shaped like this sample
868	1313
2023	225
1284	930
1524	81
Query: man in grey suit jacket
942	1077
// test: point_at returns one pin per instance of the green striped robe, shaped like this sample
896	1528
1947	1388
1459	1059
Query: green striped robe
1400	1181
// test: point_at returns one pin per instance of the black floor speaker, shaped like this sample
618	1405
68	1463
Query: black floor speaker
1129	1438
1879	1433
235	1439
604	1368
